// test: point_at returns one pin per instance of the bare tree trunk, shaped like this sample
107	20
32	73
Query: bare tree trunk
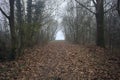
12	28
19	24
100	41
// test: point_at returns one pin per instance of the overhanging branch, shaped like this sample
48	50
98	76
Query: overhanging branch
85	7
4	13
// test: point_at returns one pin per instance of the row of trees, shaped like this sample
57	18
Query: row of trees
26	24
93	22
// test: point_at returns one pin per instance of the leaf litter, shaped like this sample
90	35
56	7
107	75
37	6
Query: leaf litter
63	61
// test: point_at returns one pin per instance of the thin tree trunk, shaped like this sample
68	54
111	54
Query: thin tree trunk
29	11
118	7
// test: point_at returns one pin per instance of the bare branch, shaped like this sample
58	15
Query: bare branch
4	13
85	7
107	4
94	2
110	9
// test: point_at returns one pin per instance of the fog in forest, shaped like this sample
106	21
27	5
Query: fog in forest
59	39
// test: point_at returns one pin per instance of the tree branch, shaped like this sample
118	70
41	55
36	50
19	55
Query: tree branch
4	13
94	3
107	4
110	9
85	7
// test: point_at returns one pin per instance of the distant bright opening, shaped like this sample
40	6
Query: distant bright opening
60	35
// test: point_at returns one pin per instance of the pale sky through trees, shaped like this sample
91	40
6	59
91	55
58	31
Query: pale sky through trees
60	12
60	35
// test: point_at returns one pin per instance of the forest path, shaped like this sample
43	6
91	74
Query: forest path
60	60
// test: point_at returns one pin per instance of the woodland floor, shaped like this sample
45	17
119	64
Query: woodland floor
63	61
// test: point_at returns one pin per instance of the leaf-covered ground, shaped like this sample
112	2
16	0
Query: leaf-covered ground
63	61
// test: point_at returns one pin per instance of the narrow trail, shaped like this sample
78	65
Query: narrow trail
65	61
